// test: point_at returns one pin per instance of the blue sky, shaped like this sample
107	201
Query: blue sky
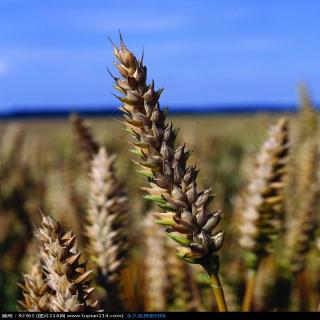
203	52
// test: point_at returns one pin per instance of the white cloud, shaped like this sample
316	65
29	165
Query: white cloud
3	68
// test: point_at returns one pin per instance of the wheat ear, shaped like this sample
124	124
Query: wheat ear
11	145
264	203
307	127
308	115
303	222
307	168
172	183
35	290
87	144
302	231
66	276
107	222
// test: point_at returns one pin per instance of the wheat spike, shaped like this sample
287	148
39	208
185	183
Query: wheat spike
66	276
302	230
308	115
107	220
35	290
87	144
307	129
172	183
307	166
12	141
156	277
263	210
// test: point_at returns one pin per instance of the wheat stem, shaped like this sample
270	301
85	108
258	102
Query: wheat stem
218	292
249	293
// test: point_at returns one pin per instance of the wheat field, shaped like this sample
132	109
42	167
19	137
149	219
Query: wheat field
87	225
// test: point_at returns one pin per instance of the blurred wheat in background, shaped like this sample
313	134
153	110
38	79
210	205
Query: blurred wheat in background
160	246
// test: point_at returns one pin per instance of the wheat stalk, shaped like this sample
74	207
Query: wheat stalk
66	276
35	290
263	212
172	183
107	222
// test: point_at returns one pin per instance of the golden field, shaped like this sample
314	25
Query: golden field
43	170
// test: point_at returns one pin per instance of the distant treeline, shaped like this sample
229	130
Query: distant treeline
52	112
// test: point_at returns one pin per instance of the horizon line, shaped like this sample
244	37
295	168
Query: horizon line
61	111
105	106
